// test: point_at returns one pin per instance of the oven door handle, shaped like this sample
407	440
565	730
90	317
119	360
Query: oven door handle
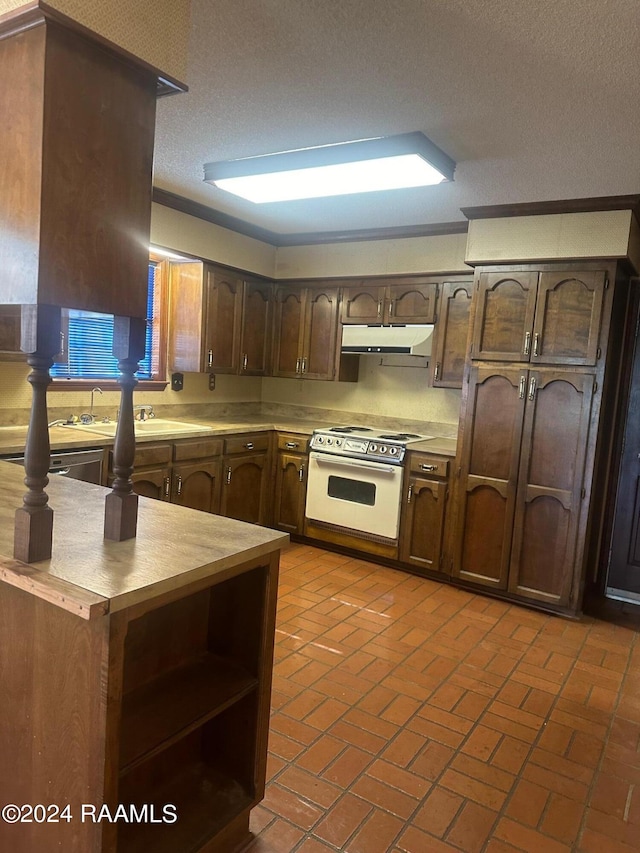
386	469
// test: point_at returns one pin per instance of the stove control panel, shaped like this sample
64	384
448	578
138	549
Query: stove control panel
359	448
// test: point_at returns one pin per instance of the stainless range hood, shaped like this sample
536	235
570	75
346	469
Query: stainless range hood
409	340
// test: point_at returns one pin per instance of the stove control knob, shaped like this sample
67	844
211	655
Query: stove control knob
329	441
338	442
393	451
383	448
373	448
320	439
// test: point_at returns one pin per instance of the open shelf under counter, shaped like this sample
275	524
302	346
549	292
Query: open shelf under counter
205	795
188	697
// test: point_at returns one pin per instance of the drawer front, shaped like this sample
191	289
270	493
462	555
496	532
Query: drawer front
153	454
244	443
293	442
429	466
197	448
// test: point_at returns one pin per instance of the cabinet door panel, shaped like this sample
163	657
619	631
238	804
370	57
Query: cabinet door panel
421	538
255	339
363	304
288	331
290	492
504	316
492	428
452	331
154	483
244	488
321	329
568	313
197	486
549	500
224	295
412	303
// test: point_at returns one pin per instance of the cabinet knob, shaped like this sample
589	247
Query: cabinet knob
436	374
298	360
179	486
410	493
392	307
245	361
292	444
527	343
536	344
523	384
228	475
301	473
210	359
304	365
167	486
380	308
532	388
428	467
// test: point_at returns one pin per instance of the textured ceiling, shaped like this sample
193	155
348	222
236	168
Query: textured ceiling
534	101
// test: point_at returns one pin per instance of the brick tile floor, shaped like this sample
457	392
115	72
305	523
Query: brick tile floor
411	717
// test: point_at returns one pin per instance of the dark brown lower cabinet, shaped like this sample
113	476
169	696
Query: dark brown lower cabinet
197	485
423	515
290	493
153	483
524	484
245	478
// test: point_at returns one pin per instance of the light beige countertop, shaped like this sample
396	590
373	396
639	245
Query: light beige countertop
90	575
12	438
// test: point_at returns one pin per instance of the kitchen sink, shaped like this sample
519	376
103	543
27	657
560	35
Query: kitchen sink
153	426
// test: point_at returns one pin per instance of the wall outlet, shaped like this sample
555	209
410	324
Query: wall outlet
177	381
212	382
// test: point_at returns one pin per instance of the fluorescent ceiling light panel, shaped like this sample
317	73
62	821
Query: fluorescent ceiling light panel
367	165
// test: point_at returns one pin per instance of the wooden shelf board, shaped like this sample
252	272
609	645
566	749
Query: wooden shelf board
157	714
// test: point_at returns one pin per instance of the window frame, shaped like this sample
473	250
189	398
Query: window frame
161	303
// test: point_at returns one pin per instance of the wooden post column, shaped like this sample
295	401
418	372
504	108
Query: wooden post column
40	337
121	505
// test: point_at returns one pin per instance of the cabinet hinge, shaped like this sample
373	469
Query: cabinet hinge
595	386
458	473
598	354
583	493
606	282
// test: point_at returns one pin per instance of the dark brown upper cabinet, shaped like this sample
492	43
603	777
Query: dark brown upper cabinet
411	301
538	317
451	334
219	321
306	343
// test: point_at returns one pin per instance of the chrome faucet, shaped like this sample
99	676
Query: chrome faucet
93	391
146	412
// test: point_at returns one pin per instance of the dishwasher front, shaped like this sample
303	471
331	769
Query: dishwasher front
78	464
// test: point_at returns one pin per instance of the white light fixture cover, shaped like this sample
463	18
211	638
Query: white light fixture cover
391	162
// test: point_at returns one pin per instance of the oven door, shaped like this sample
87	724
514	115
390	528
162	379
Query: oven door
354	495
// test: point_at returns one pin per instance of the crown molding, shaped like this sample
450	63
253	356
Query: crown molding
540	208
224	220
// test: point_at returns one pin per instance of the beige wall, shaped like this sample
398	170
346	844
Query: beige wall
15	395
157	31
390	392
183	233
599	234
374	257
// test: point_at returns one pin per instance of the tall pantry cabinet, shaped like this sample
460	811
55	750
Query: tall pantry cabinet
530	429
